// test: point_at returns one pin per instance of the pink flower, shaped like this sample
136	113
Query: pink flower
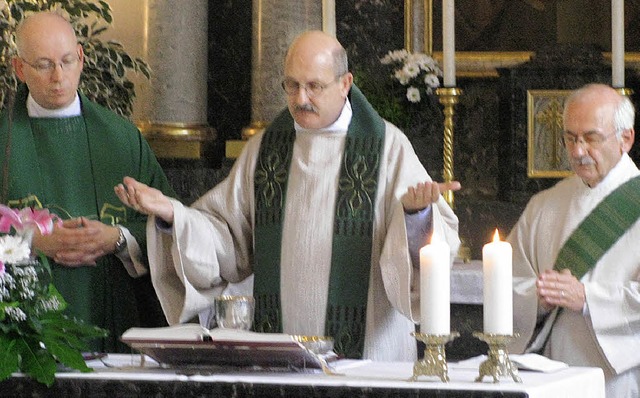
26	218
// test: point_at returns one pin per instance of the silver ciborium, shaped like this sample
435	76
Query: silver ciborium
234	312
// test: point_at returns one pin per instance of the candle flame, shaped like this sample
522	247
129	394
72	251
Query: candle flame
496	236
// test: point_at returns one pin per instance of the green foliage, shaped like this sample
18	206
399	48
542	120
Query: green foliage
104	77
388	86
385	97
37	342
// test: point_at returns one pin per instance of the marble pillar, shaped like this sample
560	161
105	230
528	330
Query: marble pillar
171	36
418	26
275	24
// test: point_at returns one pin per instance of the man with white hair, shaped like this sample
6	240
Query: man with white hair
576	258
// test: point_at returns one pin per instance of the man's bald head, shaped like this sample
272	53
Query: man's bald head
41	23
310	44
49	59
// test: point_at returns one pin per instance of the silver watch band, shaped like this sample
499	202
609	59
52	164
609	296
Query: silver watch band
121	243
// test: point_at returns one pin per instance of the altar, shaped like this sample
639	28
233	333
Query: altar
121	375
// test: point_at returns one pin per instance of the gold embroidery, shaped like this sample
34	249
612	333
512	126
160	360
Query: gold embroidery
110	214
29	201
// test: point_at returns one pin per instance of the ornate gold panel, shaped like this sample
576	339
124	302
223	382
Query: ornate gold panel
546	156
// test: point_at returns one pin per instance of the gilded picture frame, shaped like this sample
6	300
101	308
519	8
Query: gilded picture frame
546	156
473	64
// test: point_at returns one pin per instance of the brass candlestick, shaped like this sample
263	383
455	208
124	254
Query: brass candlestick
448	97
624	91
434	361
498	363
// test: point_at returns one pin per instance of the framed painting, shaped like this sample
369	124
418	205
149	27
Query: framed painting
492	34
546	156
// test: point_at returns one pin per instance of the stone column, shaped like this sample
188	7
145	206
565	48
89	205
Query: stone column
418	25
171	36
275	24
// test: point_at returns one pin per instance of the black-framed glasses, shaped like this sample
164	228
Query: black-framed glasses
313	89
47	66
591	139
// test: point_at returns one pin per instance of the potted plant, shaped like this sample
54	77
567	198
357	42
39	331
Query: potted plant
104	77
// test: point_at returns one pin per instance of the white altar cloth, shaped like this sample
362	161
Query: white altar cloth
570	382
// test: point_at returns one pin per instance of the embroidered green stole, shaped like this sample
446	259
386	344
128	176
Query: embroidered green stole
601	229
352	232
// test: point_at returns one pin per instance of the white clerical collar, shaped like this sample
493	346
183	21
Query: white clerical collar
340	125
35	110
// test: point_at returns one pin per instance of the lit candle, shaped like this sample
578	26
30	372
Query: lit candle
617	43
434	288
498	294
448	43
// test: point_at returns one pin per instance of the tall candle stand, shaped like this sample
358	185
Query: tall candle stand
434	361
498	363
448	97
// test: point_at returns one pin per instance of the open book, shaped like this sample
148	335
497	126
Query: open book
194	345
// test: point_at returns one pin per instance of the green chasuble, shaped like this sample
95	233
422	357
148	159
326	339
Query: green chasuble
601	229
352	231
70	166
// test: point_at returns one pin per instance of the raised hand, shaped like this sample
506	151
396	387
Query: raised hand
144	199
424	194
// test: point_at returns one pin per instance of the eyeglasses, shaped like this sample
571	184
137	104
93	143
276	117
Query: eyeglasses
313	89
47	66
591	140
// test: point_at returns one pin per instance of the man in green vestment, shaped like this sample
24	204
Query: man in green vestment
66	153
576	258
322	210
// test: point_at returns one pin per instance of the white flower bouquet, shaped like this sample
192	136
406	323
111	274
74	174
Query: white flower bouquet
417	71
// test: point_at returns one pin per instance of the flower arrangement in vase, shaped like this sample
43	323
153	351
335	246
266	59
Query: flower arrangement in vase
35	336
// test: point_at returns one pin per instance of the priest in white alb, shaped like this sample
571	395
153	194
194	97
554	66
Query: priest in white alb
324	210
576	252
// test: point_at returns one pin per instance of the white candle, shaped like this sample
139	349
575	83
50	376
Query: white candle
498	293
329	17
617	43
435	263
448	43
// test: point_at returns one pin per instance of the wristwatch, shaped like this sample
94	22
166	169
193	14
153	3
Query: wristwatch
121	244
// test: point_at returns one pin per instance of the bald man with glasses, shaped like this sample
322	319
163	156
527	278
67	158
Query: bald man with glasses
322	211
66	153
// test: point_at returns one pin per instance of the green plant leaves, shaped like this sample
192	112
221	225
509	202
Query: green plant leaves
9	358
47	337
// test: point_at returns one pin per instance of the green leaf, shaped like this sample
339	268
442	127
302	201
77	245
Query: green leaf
66	355
36	361
55	293
9	358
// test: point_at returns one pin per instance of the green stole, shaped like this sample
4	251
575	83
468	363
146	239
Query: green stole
601	229
353	225
595	235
